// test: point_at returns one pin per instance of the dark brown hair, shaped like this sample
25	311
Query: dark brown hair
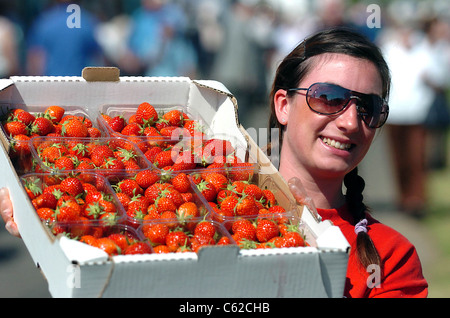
291	71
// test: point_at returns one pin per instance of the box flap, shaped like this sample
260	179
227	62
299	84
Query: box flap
5	82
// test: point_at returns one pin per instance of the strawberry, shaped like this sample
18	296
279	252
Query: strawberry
217	179
254	191
72	186
174	118
14	128
73	127
100	153
242	171
107	245
176	239
165	204
205	228
54	113
157	233
218	147
19	146
64	163
46	214
132	129
163	159
130	187
117	123
146	114
208	190
266	230
146	178
188	210
244	229
23	116
161	249
45	200
194	128
246	206
42	126
137	248
66	214
181	182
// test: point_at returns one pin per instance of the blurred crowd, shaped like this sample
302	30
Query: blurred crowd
239	43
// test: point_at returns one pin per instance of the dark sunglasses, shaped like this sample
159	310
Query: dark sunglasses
331	99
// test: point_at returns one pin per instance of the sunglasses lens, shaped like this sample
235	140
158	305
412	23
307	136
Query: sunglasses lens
330	99
327	99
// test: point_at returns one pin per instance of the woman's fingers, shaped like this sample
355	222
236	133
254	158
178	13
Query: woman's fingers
6	211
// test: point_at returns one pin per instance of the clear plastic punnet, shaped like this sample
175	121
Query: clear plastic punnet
105	155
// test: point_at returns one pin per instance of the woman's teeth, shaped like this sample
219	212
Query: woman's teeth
336	144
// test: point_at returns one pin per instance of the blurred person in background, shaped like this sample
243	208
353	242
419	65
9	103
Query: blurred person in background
9	45
55	48
242	60
436	44
157	44
413	68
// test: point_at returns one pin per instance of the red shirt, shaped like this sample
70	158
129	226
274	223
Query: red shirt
402	271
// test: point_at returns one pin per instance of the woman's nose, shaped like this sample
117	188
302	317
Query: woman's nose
349	119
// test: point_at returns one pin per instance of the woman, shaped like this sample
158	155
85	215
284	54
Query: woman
328	99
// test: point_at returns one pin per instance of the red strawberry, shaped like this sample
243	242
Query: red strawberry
19	146
246	206
176	239
157	233
74	127
205	228
72	186
146	178
14	128
244	229
64	163
188	210
23	116
137	248
254	191
208	190
266	230
163	159
67	214
42	126
117	123
146	114
181	182
174	118
106	245
130	187
54	113
132	129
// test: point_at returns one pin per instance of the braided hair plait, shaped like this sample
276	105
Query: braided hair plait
365	249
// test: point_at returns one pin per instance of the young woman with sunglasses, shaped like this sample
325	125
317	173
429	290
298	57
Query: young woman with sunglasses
328	99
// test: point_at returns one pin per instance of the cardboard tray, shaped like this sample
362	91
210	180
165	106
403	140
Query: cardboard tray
74	269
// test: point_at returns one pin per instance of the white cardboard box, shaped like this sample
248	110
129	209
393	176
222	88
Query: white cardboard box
74	269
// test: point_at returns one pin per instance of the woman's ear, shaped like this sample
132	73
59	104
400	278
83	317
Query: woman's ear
282	106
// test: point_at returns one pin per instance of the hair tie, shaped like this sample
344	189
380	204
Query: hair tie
361	226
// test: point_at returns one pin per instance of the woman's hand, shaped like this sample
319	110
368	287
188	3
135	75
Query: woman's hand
6	211
300	195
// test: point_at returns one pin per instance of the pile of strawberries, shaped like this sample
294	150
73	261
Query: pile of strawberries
117	240
20	126
187	236
102	155
148	196
251	213
146	122
83	200
198	191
